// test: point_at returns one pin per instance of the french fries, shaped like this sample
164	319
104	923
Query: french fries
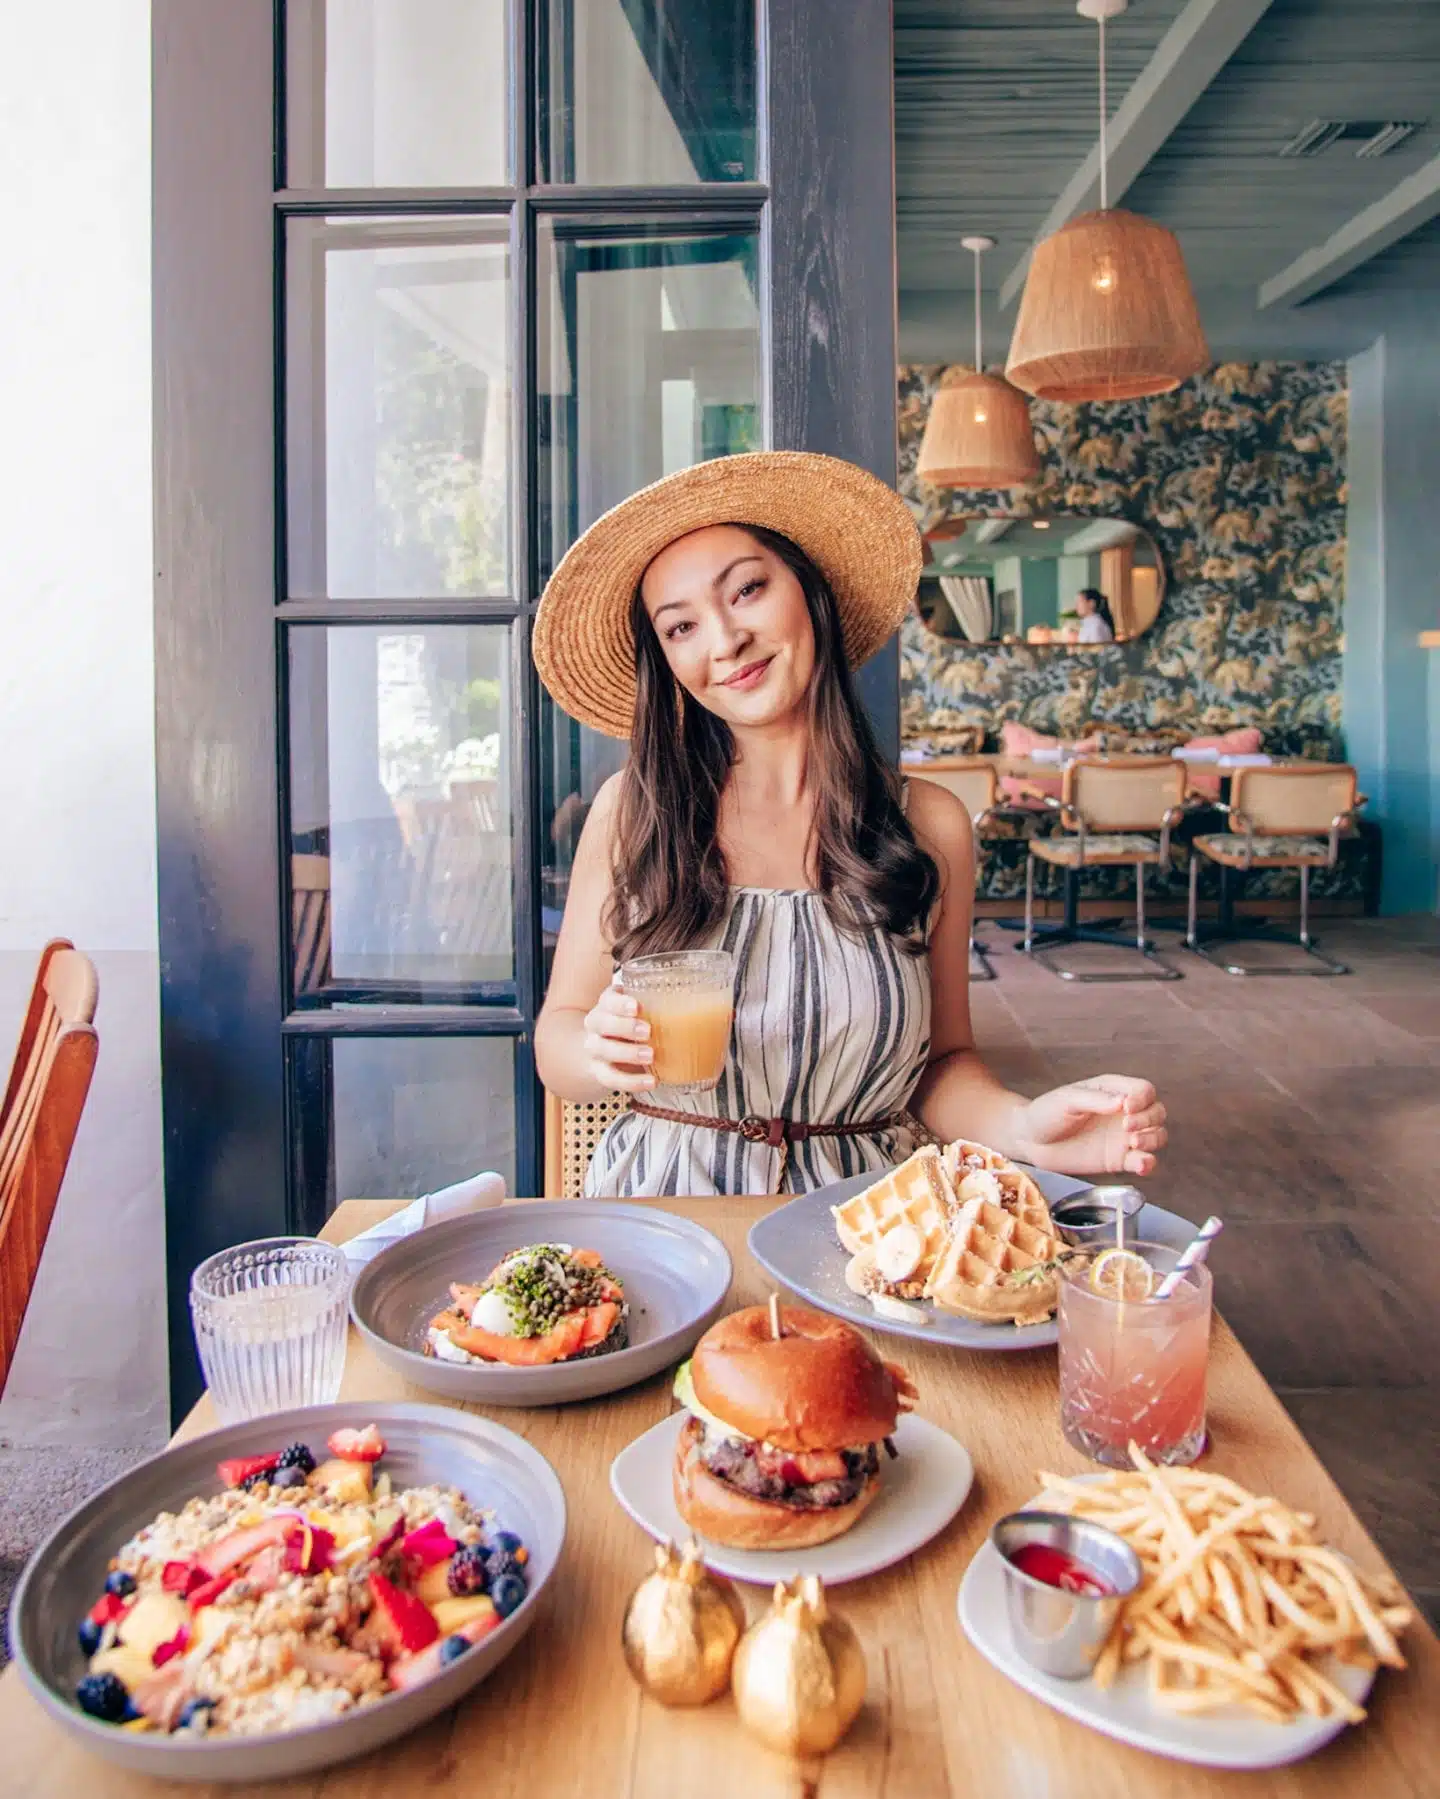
1239	1602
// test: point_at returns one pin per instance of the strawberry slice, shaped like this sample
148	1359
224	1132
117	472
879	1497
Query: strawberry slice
209	1591
403	1624
239	1469
219	1558
428	1543
357	1445
410	1670
178	1644
108	1609
180	1577
309	1549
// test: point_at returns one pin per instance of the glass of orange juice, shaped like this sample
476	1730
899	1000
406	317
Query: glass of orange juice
688	999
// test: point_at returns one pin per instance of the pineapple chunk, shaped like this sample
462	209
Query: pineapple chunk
433	1585
155	1618
450	1614
132	1665
344	1483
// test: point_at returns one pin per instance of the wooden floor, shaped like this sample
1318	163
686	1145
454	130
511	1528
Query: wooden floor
1306	1113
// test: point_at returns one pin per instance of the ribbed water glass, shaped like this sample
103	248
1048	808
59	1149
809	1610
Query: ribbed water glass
269	1323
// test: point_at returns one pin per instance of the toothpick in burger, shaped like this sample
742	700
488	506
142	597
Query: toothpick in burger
782	1446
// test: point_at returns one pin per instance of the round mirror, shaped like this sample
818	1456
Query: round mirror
1073	583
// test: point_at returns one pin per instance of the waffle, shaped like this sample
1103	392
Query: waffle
975	1172
989	1247
915	1193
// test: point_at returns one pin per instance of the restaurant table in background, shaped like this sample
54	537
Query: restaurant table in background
562	1715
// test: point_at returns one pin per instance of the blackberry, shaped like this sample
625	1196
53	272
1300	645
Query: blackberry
118	1582
260	1478
293	1476
90	1635
452	1649
468	1571
508	1592
103	1696
297	1456
500	1562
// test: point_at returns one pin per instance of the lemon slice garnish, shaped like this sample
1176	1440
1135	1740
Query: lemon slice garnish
1121	1274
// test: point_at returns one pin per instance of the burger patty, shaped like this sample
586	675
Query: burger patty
779	1476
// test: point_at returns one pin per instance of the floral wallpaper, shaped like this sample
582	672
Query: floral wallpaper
1240	478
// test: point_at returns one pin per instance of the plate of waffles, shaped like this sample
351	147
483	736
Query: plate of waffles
956	1245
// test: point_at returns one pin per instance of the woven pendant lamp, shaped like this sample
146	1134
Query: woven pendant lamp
978	432
1108	312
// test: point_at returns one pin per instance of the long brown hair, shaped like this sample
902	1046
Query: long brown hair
670	883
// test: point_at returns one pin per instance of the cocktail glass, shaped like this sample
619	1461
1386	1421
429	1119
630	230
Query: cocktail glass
1134	1370
688	999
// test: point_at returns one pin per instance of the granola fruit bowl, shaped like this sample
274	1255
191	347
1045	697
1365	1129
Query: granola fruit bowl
332	1700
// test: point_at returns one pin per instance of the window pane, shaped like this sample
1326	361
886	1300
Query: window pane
647	92
648	353
395	1117
648	360
397	424
401	847
395	93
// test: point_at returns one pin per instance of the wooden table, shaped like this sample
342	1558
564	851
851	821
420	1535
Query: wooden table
562	1717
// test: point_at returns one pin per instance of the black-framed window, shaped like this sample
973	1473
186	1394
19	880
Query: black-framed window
360	481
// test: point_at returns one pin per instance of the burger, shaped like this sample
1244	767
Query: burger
781	1448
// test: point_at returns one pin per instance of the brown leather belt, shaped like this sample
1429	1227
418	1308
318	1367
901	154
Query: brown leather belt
778	1133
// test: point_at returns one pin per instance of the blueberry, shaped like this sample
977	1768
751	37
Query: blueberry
90	1635
506	1539
452	1649
196	1712
103	1696
507	1592
293	1476
121	1584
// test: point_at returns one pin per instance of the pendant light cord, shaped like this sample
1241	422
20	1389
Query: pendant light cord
979	364
1104	174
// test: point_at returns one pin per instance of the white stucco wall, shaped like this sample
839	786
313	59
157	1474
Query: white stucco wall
77	758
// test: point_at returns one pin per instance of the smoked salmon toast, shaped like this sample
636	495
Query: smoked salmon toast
548	1303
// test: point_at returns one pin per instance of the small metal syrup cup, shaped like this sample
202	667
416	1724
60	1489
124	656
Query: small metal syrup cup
1060	1632
1106	1200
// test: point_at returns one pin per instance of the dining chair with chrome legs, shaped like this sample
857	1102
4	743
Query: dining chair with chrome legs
1111	812
1291	815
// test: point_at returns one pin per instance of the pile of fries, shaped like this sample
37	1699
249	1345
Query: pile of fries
1239	1601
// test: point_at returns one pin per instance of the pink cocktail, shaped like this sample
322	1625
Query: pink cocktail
1133	1370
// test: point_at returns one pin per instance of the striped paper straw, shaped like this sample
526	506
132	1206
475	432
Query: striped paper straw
1197	1252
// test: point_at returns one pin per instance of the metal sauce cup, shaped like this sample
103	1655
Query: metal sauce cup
1060	1632
1073	1218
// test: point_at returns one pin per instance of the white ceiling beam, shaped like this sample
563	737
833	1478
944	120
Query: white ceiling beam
1204	37
1408	205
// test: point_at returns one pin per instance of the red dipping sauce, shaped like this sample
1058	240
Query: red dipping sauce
1057	1569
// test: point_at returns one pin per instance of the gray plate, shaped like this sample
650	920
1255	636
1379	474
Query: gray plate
675	1275
490	1465
798	1245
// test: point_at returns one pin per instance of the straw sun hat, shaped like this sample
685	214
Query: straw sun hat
857	531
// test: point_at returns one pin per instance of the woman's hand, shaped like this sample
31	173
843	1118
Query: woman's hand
1110	1124
616	1043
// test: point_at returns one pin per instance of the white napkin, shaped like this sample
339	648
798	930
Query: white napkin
1259	760
474	1195
1050	752
1201	754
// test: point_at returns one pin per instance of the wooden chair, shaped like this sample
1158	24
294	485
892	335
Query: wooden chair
975	782
43	1102
1290	815
572	1129
1110	811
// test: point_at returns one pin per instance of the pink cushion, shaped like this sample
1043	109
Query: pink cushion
1244	741
1022	740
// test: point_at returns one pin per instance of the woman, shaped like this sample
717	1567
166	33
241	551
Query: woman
1097	625
714	619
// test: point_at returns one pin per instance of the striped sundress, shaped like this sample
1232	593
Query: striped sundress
829	1025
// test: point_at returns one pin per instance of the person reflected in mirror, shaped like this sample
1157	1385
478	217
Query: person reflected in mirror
1097	625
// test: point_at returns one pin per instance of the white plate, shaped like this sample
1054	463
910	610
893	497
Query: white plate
1225	1739
920	1492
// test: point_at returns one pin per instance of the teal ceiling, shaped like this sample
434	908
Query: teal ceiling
995	104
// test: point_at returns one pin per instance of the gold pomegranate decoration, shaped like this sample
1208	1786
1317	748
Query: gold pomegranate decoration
681	1627
799	1675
